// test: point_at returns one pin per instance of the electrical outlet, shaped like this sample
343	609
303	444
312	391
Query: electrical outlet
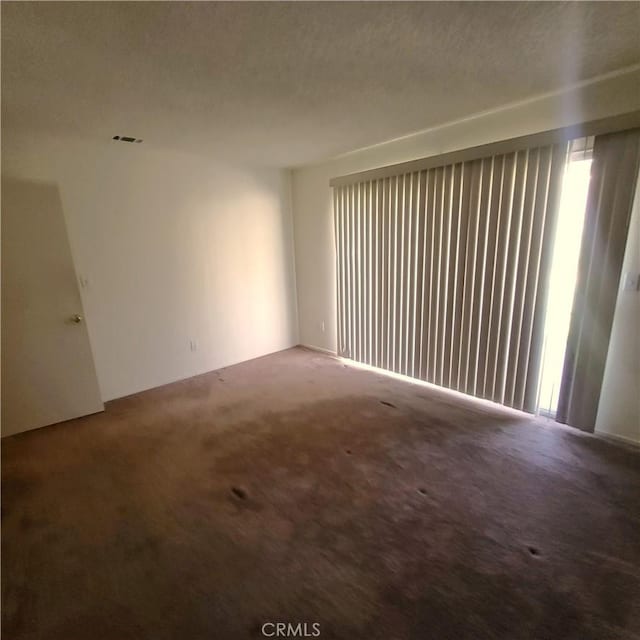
631	281
322	326
193	345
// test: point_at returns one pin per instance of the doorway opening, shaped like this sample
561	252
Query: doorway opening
564	271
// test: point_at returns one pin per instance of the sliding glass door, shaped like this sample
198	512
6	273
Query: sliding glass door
443	273
496	275
564	271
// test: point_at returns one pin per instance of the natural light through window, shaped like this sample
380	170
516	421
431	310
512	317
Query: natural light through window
563	273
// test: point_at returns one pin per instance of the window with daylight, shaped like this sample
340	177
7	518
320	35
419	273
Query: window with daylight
466	270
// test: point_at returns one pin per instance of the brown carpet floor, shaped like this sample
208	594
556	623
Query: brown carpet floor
292	488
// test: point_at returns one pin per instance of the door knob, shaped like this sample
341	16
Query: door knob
77	318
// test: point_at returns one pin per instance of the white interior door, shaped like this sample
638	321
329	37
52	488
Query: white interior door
48	373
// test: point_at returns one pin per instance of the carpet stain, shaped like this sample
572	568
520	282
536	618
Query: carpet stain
239	493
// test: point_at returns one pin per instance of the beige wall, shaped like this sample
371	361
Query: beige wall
619	409
169	249
313	223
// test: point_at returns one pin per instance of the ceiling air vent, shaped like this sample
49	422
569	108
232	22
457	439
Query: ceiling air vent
127	139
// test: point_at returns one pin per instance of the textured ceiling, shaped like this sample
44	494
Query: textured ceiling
289	83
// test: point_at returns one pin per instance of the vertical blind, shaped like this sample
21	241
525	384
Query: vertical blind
442	273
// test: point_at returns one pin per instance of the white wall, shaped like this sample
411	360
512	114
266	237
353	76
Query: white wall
619	408
313	222
172	248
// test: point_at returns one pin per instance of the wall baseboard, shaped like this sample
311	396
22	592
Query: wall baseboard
599	435
312	347
618	439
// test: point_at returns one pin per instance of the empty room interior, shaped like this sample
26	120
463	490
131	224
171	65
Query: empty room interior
320	319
